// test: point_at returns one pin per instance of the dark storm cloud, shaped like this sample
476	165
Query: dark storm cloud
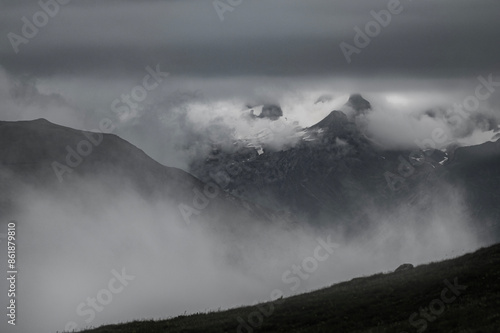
429	38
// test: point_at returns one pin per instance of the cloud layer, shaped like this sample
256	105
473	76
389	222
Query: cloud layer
428	38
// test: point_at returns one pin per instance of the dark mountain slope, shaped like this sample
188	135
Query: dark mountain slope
29	148
414	300
33	153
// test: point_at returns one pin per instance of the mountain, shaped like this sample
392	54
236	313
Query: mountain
476	169
358	103
303	179
269	111
454	296
336	174
335	124
47	156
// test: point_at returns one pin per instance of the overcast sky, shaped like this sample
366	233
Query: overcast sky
88	53
275	37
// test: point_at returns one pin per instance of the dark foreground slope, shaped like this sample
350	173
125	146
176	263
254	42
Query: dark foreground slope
459	295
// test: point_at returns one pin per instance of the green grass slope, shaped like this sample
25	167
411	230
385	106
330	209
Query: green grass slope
417	300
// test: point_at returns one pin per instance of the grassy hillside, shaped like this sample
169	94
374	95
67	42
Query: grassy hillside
375	304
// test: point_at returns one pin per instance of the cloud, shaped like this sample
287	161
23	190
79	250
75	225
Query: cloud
22	100
184	117
275	37
76	239
404	125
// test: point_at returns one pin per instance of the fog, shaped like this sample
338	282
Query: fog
70	241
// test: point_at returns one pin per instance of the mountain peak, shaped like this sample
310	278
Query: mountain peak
271	111
358	103
336	124
39	121
335	118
